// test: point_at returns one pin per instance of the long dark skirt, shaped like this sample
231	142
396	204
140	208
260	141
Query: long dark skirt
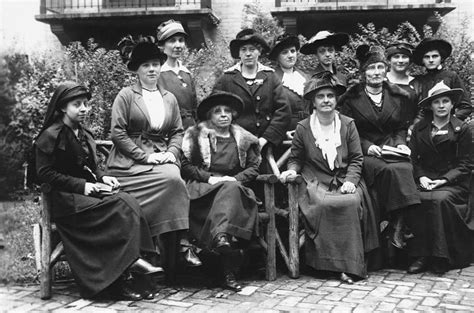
102	241
162	195
227	207
440	226
334	240
393	183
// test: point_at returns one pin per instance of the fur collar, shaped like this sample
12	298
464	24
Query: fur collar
200	139
356	90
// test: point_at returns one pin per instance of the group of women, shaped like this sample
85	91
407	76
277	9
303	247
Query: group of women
180	172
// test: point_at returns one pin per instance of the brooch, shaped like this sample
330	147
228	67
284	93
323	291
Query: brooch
259	81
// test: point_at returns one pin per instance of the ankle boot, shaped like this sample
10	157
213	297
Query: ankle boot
141	266
397	238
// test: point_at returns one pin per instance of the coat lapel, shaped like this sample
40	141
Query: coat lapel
425	136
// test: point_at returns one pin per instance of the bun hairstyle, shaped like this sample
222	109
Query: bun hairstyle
128	43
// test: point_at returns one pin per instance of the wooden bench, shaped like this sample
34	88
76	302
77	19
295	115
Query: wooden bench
48	252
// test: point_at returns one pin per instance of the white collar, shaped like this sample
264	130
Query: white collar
165	68
294	81
260	68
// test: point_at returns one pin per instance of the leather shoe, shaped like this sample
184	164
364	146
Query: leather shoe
346	279
231	283
148	294
192	260
420	265
439	266
126	293
141	266
222	244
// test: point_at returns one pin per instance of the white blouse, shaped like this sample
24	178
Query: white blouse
155	106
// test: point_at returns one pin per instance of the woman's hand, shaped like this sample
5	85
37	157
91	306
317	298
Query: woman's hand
404	148
168	157
348	187
90	188
438	183
111	181
374	150
425	182
161	157
288	174
154	158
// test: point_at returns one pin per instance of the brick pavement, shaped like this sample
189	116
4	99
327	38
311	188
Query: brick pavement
387	290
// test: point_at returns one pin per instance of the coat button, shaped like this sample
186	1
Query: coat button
267	118
258	98
257	111
257	124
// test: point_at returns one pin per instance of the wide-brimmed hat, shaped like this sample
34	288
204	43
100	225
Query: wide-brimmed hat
325	38
247	36
142	52
282	42
441	90
219	97
428	44
168	29
401	47
370	54
322	80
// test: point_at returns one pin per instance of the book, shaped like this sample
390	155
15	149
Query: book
394	151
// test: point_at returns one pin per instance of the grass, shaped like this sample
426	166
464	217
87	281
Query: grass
17	261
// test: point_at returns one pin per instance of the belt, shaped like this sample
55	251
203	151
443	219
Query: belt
155	136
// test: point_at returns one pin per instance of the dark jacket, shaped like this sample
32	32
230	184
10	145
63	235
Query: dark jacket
266	111
60	162
299	105
307	159
133	138
198	142
388	127
452	158
423	83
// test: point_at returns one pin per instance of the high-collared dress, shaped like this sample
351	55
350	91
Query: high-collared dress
227	207
444	224
423	83
339	227
267	112
180	83
293	85
392	182
102	236
158	188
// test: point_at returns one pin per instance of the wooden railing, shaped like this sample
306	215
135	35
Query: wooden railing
345	3
91	6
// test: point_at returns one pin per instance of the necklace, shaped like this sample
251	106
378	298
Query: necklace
150	90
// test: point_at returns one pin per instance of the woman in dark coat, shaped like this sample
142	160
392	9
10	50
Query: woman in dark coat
220	159
377	108
266	112
326	151
147	134
431	54
285	52
104	236
443	158
175	77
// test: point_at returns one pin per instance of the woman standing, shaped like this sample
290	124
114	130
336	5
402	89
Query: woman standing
431	54
326	151
285	53
220	160
443	158
104	236
377	108
266	112
147	134
175	77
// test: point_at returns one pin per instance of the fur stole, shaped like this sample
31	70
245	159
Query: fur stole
200	139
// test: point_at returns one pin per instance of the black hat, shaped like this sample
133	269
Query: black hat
401	47
322	80
440	90
428	44
247	36
142	52
219	97
168	29
324	38
370	54
281	42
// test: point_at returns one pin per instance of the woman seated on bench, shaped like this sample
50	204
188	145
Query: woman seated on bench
443	158
326	151
220	158
104	234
